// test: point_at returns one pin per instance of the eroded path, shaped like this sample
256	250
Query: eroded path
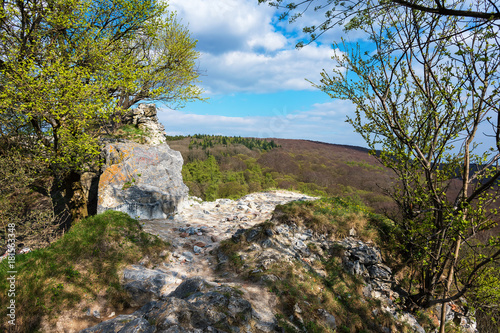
200	226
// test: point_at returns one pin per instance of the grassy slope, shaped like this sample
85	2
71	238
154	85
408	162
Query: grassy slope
79	268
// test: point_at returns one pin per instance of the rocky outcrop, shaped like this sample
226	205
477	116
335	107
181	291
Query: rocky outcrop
144	181
195	306
145	118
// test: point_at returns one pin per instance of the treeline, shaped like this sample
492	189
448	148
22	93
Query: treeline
208	180
205	141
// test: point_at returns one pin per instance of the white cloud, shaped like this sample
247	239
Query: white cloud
240	71
243	52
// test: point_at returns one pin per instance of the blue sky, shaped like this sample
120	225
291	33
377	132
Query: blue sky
255	79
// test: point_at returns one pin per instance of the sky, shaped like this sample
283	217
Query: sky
255	80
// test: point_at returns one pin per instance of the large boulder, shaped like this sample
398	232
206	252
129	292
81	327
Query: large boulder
143	181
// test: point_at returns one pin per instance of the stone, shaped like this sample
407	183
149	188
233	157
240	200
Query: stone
366	255
143	181
328	318
189	287
252	234
237	235
195	306
138	325
145	118
379	271
143	284
111	326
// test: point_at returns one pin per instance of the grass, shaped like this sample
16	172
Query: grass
131	132
337	292
79	268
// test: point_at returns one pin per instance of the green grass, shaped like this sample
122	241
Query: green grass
77	268
131	132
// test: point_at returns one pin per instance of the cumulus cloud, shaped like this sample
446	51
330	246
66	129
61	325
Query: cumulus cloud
242	50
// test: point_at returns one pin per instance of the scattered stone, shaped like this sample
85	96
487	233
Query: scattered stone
237	236
328	318
197	249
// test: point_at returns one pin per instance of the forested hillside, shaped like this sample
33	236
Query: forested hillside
230	167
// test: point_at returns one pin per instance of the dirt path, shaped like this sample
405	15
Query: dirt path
200	226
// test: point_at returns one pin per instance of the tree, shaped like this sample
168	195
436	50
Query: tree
425	94
68	66
351	13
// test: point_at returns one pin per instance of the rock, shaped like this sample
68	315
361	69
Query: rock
379	271
214	239
138	325
237	235
144	284
197	249
141	180
189	287
252	234
195	306
328	318
112	325
145	118
366	255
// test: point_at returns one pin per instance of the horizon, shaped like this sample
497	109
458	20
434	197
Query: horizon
255	79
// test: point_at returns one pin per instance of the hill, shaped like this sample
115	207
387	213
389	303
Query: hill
221	167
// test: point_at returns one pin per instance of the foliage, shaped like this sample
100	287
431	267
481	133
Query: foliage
331	215
130	132
425	93
68	66
26	201
353	13
209	141
309	167
77	268
206	180
419	97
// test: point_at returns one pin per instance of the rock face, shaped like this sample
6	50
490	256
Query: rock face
195	306
144	181
144	117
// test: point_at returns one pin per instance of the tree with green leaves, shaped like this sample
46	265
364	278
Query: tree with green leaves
68	66
427	95
352	13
